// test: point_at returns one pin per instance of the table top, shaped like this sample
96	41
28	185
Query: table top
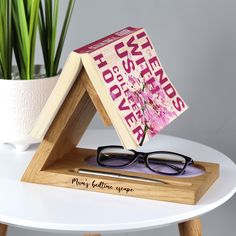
59	209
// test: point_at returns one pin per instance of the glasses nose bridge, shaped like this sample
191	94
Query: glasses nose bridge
140	155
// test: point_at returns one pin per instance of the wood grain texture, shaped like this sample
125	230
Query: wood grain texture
96	101
65	82
64	173
190	228
65	131
3	230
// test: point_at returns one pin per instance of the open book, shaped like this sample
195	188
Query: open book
130	82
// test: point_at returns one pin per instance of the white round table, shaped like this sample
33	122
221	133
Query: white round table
59	209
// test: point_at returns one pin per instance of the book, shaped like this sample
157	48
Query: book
130	82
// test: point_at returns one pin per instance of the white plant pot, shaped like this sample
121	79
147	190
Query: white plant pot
20	104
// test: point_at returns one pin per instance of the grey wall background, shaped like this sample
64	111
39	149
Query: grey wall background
196	42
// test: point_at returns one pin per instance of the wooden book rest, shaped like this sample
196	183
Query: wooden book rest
57	155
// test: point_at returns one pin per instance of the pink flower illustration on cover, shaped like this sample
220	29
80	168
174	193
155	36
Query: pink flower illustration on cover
157	111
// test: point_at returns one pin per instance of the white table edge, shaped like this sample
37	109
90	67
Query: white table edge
32	225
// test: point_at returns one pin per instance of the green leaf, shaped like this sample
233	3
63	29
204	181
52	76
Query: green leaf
63	34
43	38
48	31
9	39
32	35
22	24
19	47
54	32
5	39
25	22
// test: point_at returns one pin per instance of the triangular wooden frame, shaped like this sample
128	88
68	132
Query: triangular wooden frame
66	131
57	155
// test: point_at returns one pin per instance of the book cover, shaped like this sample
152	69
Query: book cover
132	75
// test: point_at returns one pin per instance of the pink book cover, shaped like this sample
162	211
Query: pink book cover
136	82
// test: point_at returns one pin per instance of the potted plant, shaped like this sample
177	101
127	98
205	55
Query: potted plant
25	87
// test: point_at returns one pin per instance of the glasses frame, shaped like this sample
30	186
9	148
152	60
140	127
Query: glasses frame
144	156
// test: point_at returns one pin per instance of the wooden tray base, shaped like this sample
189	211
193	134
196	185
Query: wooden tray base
182	190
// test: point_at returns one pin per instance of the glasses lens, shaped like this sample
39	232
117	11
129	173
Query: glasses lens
166	163
115	157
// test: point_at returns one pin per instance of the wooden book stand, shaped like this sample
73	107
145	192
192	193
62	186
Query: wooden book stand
57	155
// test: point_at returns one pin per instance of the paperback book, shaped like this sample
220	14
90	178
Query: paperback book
130	82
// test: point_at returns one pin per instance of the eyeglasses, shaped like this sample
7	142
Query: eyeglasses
163	162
